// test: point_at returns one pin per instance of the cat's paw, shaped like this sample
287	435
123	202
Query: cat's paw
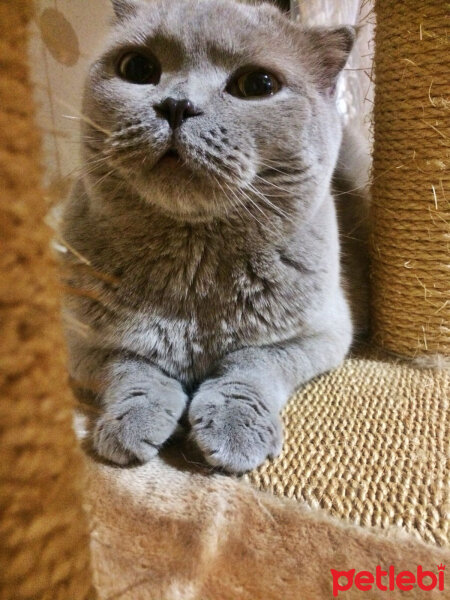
135	427
233	426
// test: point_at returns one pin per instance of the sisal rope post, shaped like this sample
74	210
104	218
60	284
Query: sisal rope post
44	547
411	178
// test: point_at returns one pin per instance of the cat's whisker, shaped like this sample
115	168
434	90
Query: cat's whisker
242	203
234	203
239	201
264	199
276	209
355	189
274	185
272	169
96	158
76	141
279	162
265	196
91	171
67	247
102	179
93	165
222	189
252	202
286	162
83	140
81	170
89	122
80	116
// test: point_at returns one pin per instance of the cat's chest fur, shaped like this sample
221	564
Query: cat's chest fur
188	294
198	295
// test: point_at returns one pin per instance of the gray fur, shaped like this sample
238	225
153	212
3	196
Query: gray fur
212	289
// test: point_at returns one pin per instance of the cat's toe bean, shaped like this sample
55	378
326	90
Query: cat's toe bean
234	430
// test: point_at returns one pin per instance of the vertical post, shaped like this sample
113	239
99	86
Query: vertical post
411	178
44	548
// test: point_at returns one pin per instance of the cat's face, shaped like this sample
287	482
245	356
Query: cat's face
200	105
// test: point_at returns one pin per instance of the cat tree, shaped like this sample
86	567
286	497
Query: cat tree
44	551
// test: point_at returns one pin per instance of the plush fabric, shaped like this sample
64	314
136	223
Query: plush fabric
170	530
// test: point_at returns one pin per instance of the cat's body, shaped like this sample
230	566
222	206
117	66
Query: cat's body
210	286
183	295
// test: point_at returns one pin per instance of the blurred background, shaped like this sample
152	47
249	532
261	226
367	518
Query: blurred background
66	34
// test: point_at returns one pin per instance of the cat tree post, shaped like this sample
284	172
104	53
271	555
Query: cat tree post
411	178
44	542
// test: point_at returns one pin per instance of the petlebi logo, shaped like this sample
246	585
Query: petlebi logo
388	580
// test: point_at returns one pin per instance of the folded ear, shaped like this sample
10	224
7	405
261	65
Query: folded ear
124	8
330	50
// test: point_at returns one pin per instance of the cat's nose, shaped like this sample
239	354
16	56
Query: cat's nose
176	111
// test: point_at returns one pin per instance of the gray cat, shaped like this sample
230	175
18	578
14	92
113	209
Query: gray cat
203	274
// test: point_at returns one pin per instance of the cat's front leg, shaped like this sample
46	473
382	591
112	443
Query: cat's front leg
235	417
141	407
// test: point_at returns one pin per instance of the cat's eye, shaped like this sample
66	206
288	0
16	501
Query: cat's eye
254	84
139	68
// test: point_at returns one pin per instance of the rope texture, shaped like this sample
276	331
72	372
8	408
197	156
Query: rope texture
369	444
411	178
44	538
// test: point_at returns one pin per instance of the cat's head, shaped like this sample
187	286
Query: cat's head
202	106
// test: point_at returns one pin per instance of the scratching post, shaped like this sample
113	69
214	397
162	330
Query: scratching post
44	539
411	178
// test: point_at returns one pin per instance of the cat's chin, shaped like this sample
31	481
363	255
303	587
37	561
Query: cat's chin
174	176
170	160
182	191
181	194
186	214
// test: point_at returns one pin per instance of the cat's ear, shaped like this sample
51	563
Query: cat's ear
331	48
124	9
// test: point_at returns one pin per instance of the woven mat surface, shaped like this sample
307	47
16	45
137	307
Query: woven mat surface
370	444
